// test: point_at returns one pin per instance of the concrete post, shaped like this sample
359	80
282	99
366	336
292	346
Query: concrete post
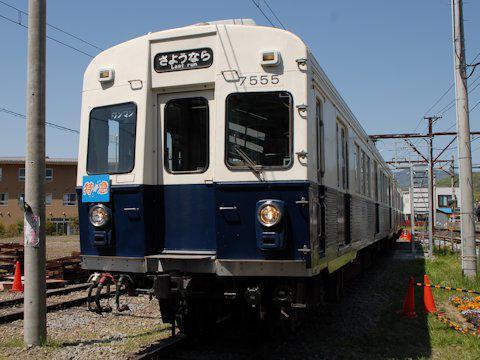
467	221
35	329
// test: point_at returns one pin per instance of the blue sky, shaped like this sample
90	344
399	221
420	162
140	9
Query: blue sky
391	60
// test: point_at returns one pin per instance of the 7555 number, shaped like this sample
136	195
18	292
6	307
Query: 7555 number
259	80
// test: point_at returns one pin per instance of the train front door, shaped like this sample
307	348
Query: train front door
185	165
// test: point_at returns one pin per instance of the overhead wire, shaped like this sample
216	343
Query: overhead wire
263	13
49	37
55	27
53	125
274	14
19	23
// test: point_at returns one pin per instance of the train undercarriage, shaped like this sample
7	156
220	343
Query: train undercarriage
195	302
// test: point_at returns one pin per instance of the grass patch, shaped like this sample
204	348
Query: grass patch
425	337
443	342
445	269
12	343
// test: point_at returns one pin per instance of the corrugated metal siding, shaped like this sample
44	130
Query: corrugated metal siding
384	219
331	218
362	219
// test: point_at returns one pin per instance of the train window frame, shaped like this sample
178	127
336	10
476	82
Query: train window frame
369	177
342	155
245	168
207	148
320	138
357	155
132	165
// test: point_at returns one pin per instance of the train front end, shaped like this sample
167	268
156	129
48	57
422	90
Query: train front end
193	165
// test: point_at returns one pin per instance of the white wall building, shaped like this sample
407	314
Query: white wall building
442	195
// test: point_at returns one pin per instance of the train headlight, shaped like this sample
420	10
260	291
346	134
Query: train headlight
269	214
99	215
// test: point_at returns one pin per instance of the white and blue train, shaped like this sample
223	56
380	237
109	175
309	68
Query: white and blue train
218	163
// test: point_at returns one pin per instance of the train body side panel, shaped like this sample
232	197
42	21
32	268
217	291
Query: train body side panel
150	220
236	225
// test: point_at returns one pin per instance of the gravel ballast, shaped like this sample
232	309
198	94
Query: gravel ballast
77	333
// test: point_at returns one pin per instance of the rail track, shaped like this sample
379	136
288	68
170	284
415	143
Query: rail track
17	313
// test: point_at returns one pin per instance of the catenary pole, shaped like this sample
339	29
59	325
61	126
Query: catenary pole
35	329
467	222
431	186
412	208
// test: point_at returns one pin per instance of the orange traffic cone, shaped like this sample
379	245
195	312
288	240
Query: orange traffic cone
408	308
17	279
428	302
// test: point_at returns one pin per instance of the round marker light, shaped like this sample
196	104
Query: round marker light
99	215
269	214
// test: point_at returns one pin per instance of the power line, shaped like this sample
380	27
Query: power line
439	99
263	13
474	106
276	17
53	125
48	37
55	27
452	102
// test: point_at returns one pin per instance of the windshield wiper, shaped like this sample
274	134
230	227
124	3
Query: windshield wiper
257	169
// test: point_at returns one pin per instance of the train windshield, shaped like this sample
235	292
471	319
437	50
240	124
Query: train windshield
111	139
259	130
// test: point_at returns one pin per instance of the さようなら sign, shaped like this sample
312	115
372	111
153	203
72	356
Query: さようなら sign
183	60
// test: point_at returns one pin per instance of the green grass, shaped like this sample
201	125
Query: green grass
424	337
445	269
445	343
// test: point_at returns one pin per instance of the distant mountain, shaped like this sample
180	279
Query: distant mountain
403	178
442	180
476	184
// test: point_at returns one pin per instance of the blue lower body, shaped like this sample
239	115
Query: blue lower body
220	217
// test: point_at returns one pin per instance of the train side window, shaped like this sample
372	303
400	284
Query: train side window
259	130
388	191
342	156
362	173
111	139
320	139
357	154
375	180
369	176
186	135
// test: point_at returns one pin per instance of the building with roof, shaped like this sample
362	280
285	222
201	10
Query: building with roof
60	196
442	203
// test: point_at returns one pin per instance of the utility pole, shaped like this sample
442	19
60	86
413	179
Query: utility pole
467	222
35	318
431	185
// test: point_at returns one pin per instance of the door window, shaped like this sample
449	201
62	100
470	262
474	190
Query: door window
186	135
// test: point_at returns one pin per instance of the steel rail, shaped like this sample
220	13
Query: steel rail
53	292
